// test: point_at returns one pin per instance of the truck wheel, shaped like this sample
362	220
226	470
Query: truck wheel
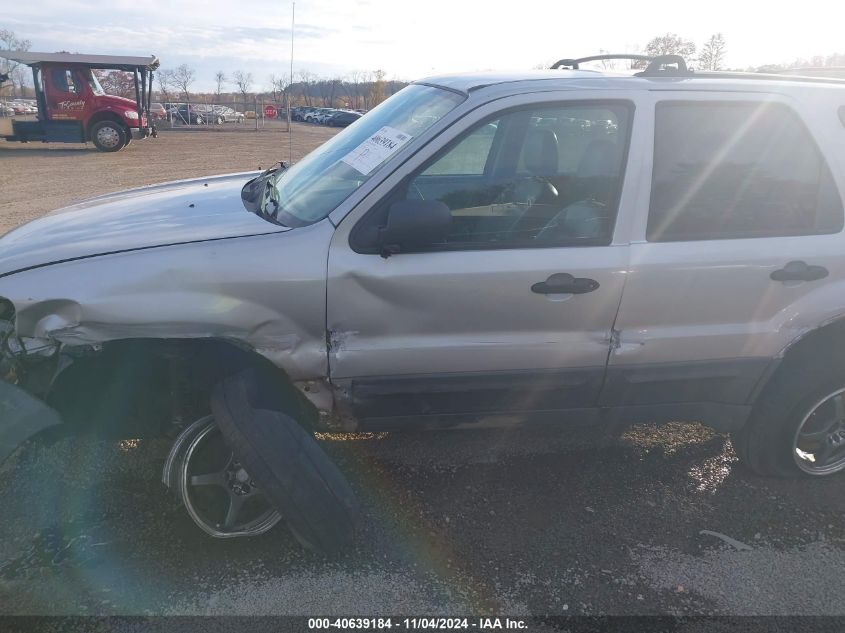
797	425
288	465
108	136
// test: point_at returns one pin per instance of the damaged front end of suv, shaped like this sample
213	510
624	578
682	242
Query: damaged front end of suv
24	362
121	316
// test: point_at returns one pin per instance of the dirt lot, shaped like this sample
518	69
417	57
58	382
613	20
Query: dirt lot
40	177
525	522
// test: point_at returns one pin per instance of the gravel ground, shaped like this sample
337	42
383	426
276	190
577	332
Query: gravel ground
518	522
39	177
533	520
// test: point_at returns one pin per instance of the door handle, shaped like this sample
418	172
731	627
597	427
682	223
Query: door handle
564	283
799	271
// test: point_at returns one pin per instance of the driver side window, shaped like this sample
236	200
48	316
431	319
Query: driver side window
536	177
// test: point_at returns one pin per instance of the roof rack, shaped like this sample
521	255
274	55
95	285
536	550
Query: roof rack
676	66
574	64
660	65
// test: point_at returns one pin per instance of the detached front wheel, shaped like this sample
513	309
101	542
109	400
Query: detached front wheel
108	136
220	495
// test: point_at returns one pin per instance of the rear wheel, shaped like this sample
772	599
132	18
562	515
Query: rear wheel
797	426
108	136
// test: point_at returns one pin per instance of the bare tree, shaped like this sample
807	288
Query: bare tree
220	80
116	82
244	83
377	88
183	77
307	79
366	80
669	44
279	86
712	53
328	89
352	85
165	80
17	75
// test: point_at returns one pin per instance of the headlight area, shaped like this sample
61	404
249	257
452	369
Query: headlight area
28	362
131	114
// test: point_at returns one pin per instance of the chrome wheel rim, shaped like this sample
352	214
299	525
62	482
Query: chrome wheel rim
219	494
818	446
108	137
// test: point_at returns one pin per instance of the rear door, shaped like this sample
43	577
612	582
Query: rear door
742	226
493	318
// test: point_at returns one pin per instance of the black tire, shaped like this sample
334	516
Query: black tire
766	443
108	136
292	470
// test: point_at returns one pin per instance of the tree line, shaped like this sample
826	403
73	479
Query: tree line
357	90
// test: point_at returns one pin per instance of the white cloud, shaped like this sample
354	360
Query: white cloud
413	39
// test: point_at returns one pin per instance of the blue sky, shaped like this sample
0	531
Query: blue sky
410	40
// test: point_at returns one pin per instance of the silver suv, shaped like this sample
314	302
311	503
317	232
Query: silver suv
562	245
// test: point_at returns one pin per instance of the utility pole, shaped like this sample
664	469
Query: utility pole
290	83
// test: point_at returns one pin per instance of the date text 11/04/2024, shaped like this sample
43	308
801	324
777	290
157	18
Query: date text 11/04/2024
434	624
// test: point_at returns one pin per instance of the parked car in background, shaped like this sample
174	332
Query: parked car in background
323	115
342	118
21	108
299	113
188	115
157	111
228	114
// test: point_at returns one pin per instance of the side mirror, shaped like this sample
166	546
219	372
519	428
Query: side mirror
414	223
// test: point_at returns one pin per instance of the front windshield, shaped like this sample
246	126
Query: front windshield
309	190
96	88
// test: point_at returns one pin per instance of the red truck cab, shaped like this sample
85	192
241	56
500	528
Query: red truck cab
72	106
74	94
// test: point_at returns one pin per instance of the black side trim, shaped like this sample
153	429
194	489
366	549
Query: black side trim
463	393
731	381
721	417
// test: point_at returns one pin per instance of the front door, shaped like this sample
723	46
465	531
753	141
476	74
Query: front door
513	310
64	94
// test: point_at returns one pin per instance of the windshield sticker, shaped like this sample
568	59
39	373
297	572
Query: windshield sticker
376	149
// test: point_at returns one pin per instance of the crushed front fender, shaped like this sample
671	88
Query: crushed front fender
21	417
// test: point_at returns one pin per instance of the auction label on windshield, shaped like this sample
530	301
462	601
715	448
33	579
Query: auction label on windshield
376	149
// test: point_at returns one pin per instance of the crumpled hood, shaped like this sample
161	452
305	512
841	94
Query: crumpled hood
159	215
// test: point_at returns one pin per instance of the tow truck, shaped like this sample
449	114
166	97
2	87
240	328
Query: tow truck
74	108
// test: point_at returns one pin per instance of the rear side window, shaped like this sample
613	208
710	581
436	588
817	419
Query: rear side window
738	170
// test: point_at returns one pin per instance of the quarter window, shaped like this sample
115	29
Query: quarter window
738	170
